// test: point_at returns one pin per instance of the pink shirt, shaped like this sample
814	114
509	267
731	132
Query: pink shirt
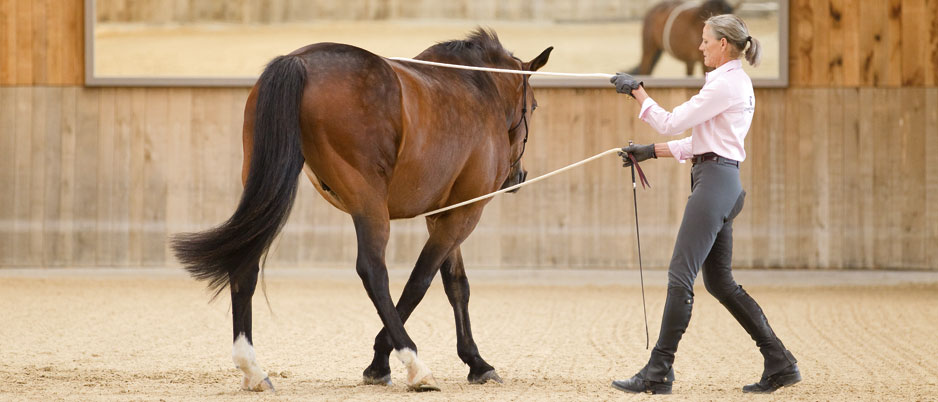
720	115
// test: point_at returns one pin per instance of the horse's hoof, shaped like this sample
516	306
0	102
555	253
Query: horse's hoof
424	385
264	386
384	380
490	375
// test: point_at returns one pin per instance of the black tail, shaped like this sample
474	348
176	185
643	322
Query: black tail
231	251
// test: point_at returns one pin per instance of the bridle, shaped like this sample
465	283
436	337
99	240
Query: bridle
524	116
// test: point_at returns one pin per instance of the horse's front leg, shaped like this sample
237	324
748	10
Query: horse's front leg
242	290
372	239
456	285
446	233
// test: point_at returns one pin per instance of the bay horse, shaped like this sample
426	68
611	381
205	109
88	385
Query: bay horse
380	140
675	27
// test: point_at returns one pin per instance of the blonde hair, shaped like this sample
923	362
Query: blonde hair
736	33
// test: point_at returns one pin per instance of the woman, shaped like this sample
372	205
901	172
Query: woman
720	116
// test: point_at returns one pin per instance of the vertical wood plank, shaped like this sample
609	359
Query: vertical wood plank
23	225
801	43
894	43
106	178
40	42
155	164
821	72
912	176
24	42
86	170
914	41
795	223
65	224
850	233
8	174
844	43
931	70
884	179
120	211
838	127
866	182
55	45
72	48
8	48
137	186
44	155
931	175
179	162
875	56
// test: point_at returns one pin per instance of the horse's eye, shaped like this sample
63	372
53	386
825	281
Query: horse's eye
534	106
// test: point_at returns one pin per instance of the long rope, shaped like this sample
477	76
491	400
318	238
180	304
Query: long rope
519	185
501	70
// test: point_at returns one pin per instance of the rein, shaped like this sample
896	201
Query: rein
524	118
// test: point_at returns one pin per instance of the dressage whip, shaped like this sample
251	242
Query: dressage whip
641	276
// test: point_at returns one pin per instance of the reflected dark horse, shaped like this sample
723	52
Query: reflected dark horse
675	27
380	140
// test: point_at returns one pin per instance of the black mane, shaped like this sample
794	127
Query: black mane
481	47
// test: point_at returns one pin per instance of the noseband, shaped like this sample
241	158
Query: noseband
524	118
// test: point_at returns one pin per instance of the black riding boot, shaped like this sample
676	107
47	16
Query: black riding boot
780	369
657	376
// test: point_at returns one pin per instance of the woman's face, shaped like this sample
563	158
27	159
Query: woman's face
713	49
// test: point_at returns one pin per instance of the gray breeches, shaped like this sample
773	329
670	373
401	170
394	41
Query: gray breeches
705	238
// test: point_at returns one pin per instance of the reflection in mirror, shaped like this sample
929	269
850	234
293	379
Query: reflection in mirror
159	42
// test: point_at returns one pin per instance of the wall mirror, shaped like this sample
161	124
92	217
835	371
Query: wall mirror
208	43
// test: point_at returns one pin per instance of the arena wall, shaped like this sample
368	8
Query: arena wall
842	169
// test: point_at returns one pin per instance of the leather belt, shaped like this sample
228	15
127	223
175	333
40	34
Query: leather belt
710	156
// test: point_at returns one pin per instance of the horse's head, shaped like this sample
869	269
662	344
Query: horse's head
512	91
518	130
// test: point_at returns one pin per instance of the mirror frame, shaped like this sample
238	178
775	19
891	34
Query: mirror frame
92	80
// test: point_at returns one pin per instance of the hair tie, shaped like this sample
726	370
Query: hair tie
748	39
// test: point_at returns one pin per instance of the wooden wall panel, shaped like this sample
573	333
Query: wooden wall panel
41	42
842	169
931	175
833	180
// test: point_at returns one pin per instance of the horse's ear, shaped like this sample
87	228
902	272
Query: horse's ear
540	60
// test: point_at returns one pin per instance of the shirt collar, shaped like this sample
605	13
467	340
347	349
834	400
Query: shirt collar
726	67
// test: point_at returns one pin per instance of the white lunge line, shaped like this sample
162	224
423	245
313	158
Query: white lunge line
519	185
501	70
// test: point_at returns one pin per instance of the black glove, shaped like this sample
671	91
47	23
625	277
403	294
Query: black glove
625	83
639	152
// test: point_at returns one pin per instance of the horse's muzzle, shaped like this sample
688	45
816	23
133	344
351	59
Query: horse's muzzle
517	178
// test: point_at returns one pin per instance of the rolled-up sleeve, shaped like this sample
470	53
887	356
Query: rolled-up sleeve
711	101
681	149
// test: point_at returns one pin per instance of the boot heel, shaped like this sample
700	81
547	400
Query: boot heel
659	389
789	379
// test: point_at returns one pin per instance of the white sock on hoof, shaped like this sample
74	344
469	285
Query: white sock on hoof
416	370
243	355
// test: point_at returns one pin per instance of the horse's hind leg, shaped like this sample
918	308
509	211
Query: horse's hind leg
372	233
255	379
456	285
689	67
